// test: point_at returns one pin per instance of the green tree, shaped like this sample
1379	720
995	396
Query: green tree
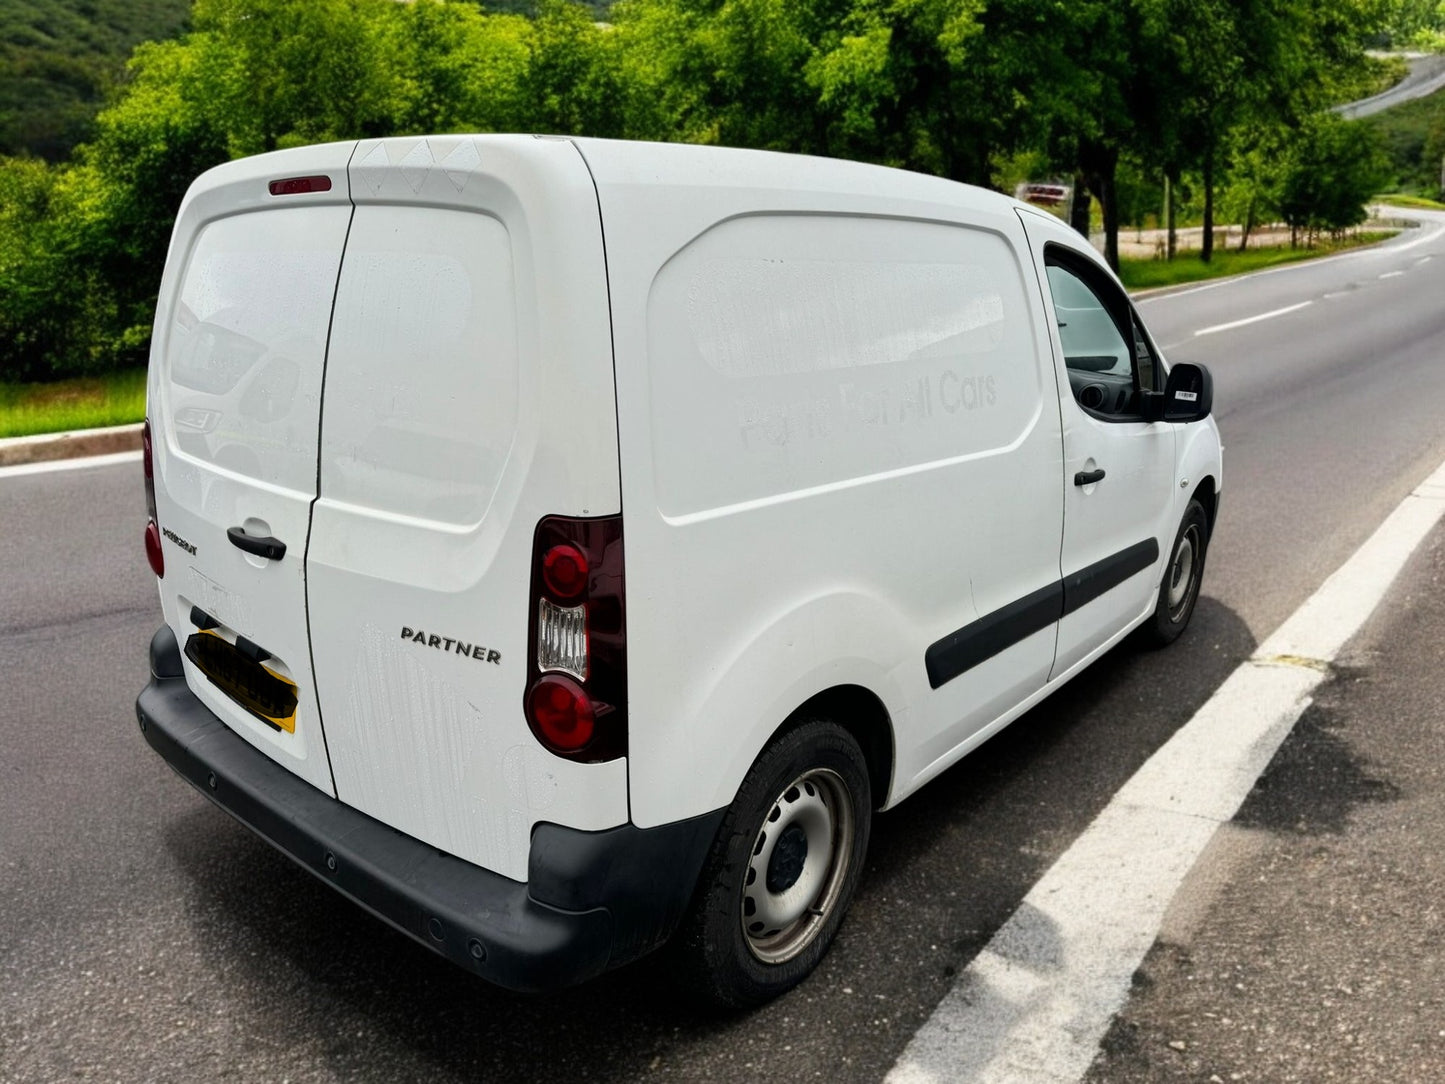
1333	167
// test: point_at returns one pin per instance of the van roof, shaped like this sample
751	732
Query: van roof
688	164
637	163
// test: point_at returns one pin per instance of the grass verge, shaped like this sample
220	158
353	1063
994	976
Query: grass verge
1402	199
1147	274
87	403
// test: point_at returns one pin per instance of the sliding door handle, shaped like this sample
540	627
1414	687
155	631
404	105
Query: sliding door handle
273	549
1088	477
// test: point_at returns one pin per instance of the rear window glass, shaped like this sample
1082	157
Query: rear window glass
247	340
421	388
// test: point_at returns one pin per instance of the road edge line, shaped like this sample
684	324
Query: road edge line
1036	1001
48	466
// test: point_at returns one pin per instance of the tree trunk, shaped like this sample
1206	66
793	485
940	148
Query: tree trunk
1206	252
1079	206
1171	181
1109	197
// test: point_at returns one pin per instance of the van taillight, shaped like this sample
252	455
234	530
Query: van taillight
154	555
576	700
297	186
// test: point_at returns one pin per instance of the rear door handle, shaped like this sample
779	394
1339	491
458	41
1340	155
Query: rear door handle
1088	477
273	549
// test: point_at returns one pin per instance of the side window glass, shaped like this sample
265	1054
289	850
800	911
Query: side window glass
1105	371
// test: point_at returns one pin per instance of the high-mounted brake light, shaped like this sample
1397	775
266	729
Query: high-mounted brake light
296	186
577	664
154	556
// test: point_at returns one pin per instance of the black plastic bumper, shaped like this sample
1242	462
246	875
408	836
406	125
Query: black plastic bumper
593	900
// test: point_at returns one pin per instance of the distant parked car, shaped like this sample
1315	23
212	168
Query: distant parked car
1046	195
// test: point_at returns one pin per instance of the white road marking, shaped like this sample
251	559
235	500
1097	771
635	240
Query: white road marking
1192	290
1252	319
1033	1005
1387	248
70	464
1392	274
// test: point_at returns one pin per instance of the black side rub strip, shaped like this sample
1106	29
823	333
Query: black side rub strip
1087	584
981	640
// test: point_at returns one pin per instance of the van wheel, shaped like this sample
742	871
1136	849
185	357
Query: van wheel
782	869
1179	590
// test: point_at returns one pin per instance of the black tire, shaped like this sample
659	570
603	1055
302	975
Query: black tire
1179	590
763	914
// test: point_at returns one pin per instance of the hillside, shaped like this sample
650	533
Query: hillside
1413	136
58	58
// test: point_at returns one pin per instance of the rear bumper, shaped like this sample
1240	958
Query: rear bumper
593	900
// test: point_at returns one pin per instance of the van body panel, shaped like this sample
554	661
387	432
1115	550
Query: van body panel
234	394
471	345
804	348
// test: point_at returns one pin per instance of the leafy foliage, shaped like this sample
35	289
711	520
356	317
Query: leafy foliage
1413	136
1224	93
59	59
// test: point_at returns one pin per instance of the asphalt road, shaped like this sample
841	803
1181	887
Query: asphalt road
145	936
1425	77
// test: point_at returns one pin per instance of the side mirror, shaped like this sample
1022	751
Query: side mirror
1188	394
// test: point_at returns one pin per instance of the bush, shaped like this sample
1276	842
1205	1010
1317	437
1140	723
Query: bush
1332	169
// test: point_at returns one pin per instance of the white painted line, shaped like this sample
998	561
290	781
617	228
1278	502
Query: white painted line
1230	281
1033	1005
1392	274
69	464
1424	239
1252	319
1384	248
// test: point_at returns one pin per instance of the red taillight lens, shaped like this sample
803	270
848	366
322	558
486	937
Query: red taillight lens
148	465
576	700
154	555
298	186
562	713
564	572
153	550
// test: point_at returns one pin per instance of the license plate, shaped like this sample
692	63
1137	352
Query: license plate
263	692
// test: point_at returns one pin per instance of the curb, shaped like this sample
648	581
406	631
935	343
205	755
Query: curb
15	451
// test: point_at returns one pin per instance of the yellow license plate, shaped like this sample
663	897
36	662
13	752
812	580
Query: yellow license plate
261	691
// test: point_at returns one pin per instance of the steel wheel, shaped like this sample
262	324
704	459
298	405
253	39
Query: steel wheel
782	868
798	866
1182	581
1179	590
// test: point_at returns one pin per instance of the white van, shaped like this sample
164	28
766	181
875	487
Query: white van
565	544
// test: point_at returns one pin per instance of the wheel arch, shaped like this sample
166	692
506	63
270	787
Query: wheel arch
1207	494
860	712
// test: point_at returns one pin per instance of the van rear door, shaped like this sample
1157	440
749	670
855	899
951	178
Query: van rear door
235	402
468	395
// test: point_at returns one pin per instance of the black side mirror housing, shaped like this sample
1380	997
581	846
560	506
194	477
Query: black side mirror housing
1188	396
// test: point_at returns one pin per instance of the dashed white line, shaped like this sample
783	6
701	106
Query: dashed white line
1392	274
1033	1005
70	464
1252	319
